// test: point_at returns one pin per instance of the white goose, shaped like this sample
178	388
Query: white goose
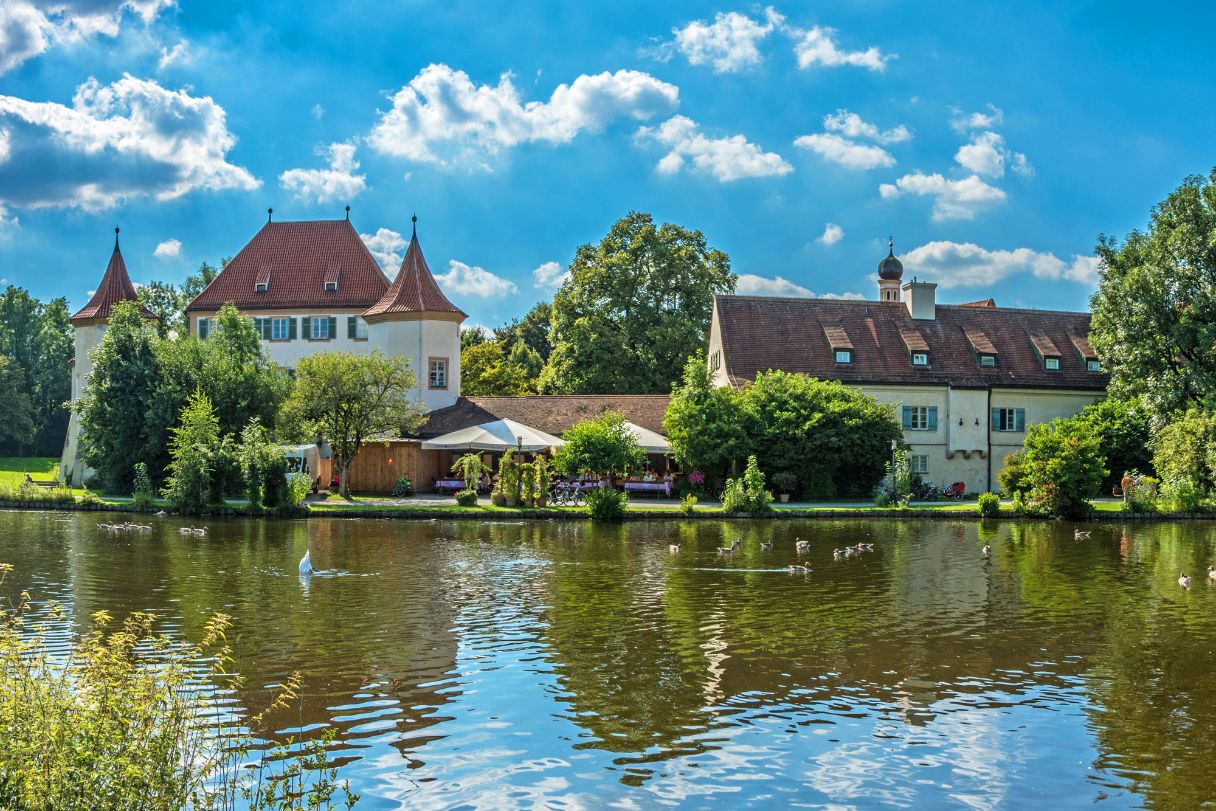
1184	581
306	562
987	550
1212	573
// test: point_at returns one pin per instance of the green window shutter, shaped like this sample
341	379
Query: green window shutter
1019	419
333	327
350	326
291	329
907	417
932	418
996	419
202	328
306	328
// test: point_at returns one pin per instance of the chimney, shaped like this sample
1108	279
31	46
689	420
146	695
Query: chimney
919	298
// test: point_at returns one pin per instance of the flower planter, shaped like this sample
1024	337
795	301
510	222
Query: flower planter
785	498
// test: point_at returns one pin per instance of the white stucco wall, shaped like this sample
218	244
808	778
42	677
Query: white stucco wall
87	339
287	353
419	341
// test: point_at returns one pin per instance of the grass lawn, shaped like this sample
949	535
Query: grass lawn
14	468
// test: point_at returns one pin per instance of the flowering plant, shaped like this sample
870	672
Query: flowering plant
696	477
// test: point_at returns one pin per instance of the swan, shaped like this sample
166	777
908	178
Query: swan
1184	581
306	562
987	550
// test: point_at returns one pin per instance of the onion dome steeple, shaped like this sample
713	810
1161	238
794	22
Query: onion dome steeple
891	268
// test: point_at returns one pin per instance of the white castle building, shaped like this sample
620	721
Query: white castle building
309	287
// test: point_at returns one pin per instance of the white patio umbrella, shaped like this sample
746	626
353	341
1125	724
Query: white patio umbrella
648	440
494	436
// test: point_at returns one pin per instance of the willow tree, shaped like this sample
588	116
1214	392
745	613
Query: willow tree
1154	315
635	308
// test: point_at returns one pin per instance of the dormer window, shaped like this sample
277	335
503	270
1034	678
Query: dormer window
331	279
844	355
988	361
331	287
1094	365
1051	364
920	358
262	287
838	340
262	283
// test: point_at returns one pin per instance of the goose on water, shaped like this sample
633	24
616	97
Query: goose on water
838	553
730	550
1078	535
673	548
766	546
306	562
801	545
796	568
1184	581
987	550
1212	573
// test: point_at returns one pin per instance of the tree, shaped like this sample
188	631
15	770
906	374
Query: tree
636	307
168	304
485	371
473	336
189	486
1154	314
1123	433
600	445
1184	451
116	431
704	424
17	426
38	339
349	399
1059	470
531	331
835	440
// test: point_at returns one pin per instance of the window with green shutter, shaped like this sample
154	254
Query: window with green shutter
332	332
291	329
351	326
203	325
1009	419
920	418
306	328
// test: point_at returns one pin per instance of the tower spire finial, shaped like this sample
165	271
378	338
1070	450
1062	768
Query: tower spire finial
891	243
348	213
414	221
270	215
116	237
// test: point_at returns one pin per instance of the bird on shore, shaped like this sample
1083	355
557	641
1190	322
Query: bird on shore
1078	535
796	568
1184	581
766	546
730	550
987	550
673	548
306	562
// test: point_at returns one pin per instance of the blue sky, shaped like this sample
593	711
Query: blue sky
994	141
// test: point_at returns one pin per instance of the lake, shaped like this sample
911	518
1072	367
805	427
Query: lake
564	664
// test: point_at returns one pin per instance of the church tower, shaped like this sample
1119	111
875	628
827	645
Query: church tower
890	272
89	325
415	320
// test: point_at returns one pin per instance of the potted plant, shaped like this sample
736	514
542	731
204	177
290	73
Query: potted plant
527	491
508	477
785	483
540	479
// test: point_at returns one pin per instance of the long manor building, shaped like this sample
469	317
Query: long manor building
965	379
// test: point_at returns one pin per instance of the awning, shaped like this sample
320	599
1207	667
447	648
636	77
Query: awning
494	436
648	440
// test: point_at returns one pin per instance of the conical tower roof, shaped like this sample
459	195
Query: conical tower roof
115	287
413	292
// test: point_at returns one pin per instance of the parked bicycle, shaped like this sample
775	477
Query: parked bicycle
566	494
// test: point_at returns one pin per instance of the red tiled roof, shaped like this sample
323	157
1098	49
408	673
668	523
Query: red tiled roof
295	259
986	302
553	414
979	341
760	333
837	337
913	340
115	287
1081	342
414	290
1044	345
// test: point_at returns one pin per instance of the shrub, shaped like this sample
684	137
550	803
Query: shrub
1181	495
1058	472
298	487
785	482
601	445
607	504
747	494
467	498
1185	450
989	505
1142	496
882	498
192	453
688	504
143	496
470	468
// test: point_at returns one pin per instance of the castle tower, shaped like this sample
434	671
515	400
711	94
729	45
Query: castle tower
415	320
89	325
890	272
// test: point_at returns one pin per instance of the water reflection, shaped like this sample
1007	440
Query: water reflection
495	664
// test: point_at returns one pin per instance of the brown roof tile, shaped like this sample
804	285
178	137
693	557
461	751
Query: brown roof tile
984	302
296	258
115	287
553	414
414	290
1081	342
837	337
1045	346
979	341
760	333
913	340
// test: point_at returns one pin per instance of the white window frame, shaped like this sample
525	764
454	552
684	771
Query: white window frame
316	333
1051	364
920	358
437	373
843	355
275	323
988	361
918	418
1093	365
918	463
1008	420
360	329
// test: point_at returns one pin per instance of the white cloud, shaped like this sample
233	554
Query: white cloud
727	159
338	182
169	248
749	284
728	43
851	125
961	122
8	223
441	117
845	152
952	199
178	54
965	264
29	27
550	276
832	233
318	112
126	139
817	46
387	247
986	154
468	280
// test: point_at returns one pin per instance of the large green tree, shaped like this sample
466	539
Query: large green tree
485	370
704	424
1154	314
168	301
349	400
1123	433
37	338
17	424
600	445
636	307
530	332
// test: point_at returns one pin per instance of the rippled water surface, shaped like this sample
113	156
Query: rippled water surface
566	665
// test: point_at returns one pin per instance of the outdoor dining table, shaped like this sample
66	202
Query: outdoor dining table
663	488
445	485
